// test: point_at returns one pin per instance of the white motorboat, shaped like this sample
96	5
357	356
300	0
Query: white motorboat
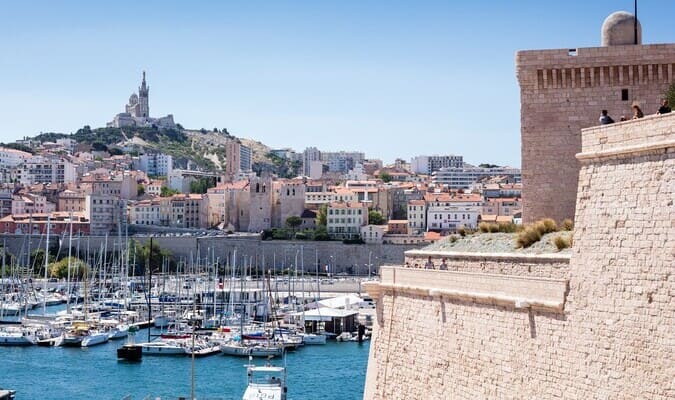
266	382
313	338
115	329
201	348
10	309
164	348
119	332
236	348
17	337
94	337
344	337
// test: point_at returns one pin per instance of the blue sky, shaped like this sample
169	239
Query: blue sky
392	79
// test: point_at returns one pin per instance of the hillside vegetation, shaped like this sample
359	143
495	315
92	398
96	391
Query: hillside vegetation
204	148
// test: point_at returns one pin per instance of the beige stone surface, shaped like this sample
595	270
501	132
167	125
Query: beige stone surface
615	337
561	93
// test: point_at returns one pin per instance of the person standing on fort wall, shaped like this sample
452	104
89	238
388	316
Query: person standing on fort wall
637	112
605	118
665	108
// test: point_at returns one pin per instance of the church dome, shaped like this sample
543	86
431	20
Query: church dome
619	29
133	99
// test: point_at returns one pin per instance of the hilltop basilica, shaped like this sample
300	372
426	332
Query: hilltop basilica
138	112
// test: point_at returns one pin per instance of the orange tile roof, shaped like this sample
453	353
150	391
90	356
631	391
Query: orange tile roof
432	236
488	218
346	204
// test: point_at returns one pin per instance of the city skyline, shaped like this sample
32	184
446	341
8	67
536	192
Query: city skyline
390	80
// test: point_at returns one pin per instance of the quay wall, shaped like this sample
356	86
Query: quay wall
594	325
340	257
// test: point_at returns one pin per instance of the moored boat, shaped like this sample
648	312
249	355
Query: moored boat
236	348
268	382
313	338
12	336
163	348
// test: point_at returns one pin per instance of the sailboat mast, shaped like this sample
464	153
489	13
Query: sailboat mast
149	288
44	284
70	250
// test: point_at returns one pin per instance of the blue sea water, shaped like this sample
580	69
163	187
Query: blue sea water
331	371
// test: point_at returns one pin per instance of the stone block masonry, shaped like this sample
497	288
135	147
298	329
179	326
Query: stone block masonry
490	327
563	91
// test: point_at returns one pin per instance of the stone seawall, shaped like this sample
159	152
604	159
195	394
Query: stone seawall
340	257
594	325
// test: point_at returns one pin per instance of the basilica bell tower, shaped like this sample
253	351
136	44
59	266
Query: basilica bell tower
143	97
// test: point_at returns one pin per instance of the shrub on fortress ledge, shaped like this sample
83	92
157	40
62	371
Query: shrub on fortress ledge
533	233
562	242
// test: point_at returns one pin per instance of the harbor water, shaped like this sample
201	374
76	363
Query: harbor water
335	370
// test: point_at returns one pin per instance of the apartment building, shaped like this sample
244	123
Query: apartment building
464	177
417	217
501	206
429	164
450	211
345	219
31	203
373	234
72	200
105	213
145	212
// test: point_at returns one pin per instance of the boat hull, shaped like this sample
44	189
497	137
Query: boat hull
94	339
314	339
253	351
167	350
16	340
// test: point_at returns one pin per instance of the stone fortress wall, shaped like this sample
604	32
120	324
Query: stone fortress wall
594	325
563	91
340	256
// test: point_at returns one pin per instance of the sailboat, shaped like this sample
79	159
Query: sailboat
239	346
313	338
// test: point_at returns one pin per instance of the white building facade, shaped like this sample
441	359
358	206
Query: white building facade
448	212
464	177
344	219
428	164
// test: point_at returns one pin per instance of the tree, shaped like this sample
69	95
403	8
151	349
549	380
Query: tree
670	95
487	165
386	178
37	260
59	269
20	147
321	234
156	256
140	189
293	222
99	146
322	215
375	218
166	192
201	185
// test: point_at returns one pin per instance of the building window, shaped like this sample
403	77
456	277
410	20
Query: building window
624	94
